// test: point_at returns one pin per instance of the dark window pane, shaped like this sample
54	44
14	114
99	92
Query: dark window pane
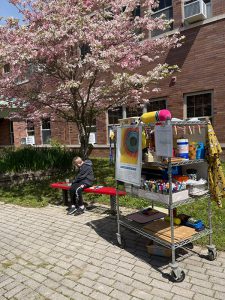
168	15
46	124
163	4
84	50
114	115
6	68
156	105
137	11
134	111
199	105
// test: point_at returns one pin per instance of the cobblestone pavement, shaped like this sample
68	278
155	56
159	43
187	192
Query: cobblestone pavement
45	254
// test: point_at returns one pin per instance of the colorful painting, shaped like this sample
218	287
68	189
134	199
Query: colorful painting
129	145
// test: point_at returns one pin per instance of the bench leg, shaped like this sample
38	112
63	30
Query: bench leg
65	197
113	204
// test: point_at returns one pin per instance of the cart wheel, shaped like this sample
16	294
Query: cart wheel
178	279
212	255
121	241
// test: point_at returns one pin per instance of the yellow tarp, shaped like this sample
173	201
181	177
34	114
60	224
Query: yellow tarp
215	171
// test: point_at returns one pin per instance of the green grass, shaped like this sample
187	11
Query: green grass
39	194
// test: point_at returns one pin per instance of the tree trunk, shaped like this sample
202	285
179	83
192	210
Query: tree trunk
84	141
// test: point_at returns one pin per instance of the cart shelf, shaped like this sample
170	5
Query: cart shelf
173	164
138	228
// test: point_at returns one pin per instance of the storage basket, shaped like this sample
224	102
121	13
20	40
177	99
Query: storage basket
198	189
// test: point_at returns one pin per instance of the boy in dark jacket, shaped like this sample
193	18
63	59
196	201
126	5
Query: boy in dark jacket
84	179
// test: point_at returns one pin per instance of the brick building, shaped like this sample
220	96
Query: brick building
197	91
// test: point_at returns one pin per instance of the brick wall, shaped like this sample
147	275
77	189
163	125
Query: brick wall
218	7
20	131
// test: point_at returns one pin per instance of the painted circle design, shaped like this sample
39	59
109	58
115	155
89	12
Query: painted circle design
131	141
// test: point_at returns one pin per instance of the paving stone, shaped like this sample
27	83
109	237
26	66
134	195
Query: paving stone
120	295
106	280
65	291
182	292
99	296
123	287
203	290
141	295
45	291
57	296
124	279
79	296
14	291
162	293
220	295
83	289
201	297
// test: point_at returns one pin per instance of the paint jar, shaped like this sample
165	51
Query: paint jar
192	150
182	148
200	150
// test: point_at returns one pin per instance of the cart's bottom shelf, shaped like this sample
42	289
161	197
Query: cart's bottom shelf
157	232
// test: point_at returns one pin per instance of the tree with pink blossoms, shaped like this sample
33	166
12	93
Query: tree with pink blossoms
74	59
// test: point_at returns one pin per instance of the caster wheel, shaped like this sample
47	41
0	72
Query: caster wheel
178	279
212	255
121	242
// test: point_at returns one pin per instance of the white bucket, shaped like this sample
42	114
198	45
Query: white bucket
182	148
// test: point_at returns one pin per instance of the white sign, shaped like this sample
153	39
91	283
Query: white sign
164	140
129	154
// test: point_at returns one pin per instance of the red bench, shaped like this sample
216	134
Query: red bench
105	190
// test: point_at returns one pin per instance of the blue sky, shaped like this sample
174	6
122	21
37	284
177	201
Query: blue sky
8	10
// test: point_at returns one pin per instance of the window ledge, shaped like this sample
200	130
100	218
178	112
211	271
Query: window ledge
189	26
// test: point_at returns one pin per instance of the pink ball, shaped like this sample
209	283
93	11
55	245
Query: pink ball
164	115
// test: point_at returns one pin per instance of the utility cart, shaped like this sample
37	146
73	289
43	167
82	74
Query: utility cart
129	171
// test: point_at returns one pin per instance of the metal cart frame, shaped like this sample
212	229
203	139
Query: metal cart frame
177	273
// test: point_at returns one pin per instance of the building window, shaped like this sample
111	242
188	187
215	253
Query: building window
154	105
92	136
6	68
199	105
165	7
11	133
30	128
84	50
113	117
46	131
134	111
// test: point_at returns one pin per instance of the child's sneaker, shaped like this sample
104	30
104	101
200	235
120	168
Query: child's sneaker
79	211
72	210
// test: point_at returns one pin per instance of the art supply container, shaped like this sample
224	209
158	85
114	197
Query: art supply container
200	150
192	150
192	174
183	148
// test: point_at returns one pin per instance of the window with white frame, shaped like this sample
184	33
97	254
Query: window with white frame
30	128
46	131
92	136
156	104
199	105
165	7
114	115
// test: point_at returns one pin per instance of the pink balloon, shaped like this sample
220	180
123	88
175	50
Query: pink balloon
164	115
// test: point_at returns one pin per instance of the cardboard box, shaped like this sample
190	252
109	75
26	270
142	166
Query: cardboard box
154	249
182	195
